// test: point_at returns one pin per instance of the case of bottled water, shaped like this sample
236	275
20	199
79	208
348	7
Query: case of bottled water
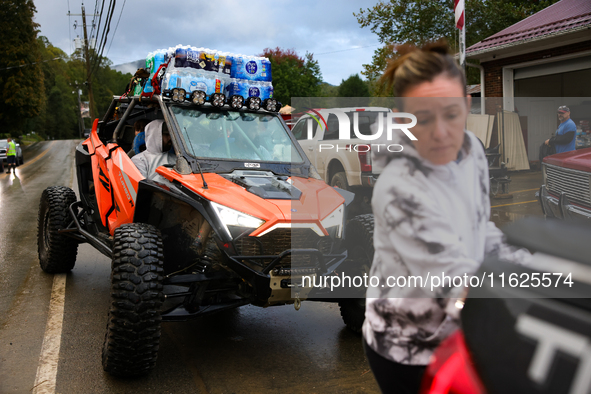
211	71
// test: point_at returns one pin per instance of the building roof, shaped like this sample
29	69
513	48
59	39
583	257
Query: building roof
559	18
472	89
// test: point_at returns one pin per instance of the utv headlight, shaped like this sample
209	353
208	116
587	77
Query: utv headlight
235	221
178	95
253	103
198	97
218	100
270	105
333	223
236	102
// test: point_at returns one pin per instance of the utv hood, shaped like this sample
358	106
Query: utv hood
278	200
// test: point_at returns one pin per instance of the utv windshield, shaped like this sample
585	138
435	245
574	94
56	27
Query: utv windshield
234	135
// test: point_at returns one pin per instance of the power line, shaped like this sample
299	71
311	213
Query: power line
99	23
70	27
345	50
29	64
105	35
115	32
93	21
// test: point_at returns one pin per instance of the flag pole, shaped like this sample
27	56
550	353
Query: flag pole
460	19
463	49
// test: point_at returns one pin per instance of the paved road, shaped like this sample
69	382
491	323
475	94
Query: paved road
241	351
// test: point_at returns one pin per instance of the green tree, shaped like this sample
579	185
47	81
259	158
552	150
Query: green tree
420	21
353	86
59	118
293	76
21	78
106	84
63	76
328	90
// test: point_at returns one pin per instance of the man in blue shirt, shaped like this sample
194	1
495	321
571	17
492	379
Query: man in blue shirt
564	139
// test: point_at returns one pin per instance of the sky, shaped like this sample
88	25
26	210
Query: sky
326	28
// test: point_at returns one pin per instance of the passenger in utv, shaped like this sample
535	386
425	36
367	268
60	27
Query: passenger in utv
158	150
432	211
139	141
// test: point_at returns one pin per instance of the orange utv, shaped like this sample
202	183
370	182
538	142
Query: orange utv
240	218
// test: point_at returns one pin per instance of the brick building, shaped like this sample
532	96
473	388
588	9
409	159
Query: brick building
538	64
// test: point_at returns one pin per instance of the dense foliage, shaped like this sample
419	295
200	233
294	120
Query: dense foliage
39	82
420	21
21	77
353	86
293	76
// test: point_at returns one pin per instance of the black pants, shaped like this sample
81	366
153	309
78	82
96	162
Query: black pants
394	377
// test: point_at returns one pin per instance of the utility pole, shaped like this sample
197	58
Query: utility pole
87	60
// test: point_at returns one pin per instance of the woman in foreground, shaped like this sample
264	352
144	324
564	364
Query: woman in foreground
431	209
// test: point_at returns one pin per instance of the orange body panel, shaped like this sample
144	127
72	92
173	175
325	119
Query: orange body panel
116	181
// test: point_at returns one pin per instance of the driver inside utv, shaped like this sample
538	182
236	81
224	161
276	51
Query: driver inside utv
158	150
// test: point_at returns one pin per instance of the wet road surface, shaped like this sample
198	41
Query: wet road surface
523	202
246	350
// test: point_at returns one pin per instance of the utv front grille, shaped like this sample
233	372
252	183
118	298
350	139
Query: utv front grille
576	184
282	239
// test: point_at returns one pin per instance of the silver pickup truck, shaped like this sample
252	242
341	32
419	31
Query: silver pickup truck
342	162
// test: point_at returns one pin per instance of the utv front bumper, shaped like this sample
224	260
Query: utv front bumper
285	267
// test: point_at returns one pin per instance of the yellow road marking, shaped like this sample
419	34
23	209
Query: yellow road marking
515	203
28	163
528	190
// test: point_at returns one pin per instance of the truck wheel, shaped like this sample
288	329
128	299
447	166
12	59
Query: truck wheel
361	251
339	180
57	252
133	327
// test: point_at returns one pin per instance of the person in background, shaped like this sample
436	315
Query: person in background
564	138
432	211
139	142
11	155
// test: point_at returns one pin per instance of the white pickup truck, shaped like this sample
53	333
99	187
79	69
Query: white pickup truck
344	163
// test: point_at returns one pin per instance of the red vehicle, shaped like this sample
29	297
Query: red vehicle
566	192
531	336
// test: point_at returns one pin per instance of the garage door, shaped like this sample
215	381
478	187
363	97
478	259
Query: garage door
568	78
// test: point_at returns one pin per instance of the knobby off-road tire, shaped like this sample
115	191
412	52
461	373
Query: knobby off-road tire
57	252
361	251
133	328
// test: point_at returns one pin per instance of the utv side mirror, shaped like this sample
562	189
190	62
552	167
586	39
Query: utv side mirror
182	166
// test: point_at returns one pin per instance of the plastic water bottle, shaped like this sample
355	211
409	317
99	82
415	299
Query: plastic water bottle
266	90
266	73
180	57
254	88
225	64
193	55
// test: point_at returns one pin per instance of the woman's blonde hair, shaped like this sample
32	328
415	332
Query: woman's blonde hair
416	65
